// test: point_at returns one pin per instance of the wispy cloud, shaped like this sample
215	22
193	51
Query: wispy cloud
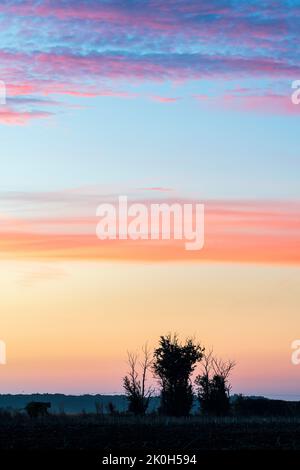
236	231
247	100
17	117
77	48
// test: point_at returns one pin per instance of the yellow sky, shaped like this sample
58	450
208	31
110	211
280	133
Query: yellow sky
68	325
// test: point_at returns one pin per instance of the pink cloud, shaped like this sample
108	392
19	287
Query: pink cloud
236	231
164	99
245	100
156	41
10	116
189	19
157	189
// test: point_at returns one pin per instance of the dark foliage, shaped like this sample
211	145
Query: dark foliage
138	403
213	387
213	395
173	365
264	407
137	393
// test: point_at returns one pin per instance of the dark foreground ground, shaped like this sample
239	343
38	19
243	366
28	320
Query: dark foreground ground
101	436
149	434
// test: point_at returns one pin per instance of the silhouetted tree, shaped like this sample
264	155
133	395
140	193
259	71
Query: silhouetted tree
213	387
173	365
137	393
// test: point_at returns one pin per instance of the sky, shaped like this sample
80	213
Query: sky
161	101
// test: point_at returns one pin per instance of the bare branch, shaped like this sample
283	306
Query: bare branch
146	365
222	368
206	362
135	382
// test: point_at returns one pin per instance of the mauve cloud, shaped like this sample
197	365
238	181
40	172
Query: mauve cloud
88	48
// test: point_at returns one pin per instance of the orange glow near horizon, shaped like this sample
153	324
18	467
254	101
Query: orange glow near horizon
69	324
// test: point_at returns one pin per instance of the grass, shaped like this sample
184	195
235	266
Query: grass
150	433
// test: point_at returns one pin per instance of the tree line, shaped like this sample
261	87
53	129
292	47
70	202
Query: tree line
172	363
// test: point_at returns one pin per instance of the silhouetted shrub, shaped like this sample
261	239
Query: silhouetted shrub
213	387
173	365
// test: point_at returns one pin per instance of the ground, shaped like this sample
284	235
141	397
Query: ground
151	434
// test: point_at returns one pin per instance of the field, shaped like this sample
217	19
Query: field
149	434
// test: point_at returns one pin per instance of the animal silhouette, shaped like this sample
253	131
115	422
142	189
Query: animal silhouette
36	409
